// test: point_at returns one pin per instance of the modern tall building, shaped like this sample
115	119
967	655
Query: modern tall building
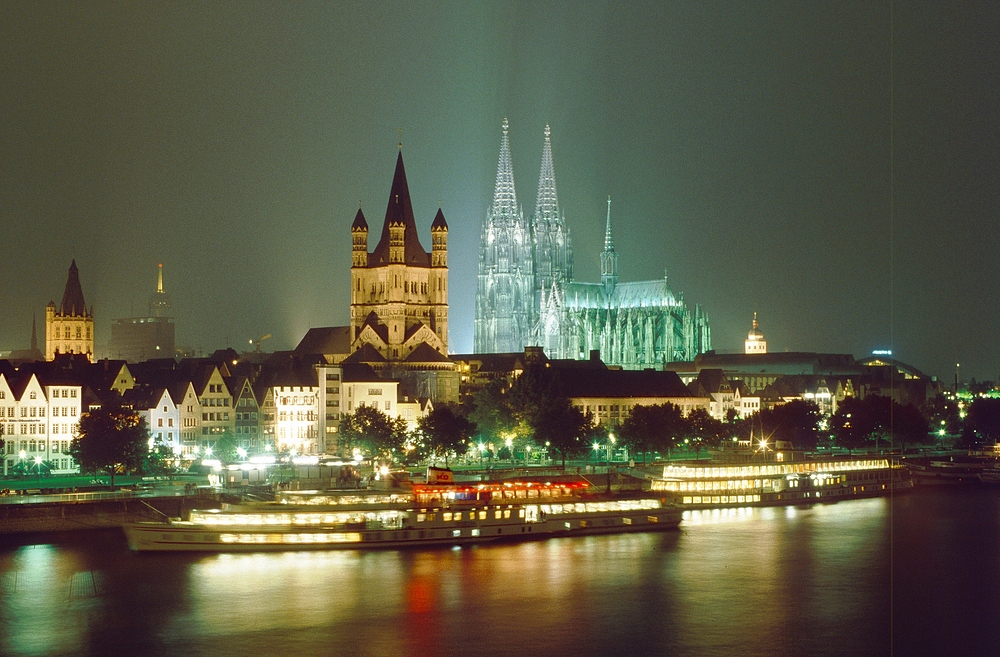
634	325
135	339
69	329
399	292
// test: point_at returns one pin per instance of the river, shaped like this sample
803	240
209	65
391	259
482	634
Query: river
917	574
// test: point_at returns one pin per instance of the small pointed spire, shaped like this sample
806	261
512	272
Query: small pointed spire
755	320
159	279
34	334
609	241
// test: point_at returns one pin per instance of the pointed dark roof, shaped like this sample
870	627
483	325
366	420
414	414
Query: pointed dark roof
359	221
326	340
366	354
400	212
425	353
72	301
439	223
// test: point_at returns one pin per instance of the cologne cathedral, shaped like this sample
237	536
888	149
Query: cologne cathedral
527	296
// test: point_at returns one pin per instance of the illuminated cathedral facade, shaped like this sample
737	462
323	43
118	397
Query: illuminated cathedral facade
527	295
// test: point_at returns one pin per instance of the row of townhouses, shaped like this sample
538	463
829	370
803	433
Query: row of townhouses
283	404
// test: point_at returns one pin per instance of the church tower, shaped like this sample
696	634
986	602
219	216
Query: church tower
609	259
69	329
755	343
506	310
399	292
553	250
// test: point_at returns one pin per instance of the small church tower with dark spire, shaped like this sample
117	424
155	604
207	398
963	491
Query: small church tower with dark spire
69	328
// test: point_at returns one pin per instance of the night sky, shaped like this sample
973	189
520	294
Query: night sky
746	147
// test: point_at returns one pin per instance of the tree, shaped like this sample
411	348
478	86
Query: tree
982	424
556	422
372	431
704	429
491	411
859	422
445	431
640	430
653	428
795	422
111	438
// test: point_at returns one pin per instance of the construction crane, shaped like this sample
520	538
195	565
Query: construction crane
256	343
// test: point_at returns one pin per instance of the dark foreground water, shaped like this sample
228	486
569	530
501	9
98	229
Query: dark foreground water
915	575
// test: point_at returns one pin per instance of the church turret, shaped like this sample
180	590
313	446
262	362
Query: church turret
359	240
609	259
439	241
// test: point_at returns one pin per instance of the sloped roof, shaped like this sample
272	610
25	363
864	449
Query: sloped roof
366	354
425	353
712	381
400	212
619	383
72	301
439	223
359	221
326	340
359	373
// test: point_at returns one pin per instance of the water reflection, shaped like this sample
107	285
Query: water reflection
796	580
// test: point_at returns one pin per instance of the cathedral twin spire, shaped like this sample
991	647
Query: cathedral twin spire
519	260
504	195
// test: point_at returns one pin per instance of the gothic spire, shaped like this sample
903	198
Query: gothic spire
159	279
72	301
609	241
399	212
34	334
609	259
547	204
504	195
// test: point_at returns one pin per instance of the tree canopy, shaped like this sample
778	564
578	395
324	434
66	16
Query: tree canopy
655	428
111	438
982	424
372	431
877	420
445	431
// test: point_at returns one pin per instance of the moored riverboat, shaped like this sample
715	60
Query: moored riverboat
764	482
432	514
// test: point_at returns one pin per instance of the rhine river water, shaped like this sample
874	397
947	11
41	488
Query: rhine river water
918	574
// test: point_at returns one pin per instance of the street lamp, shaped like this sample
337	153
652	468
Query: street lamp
38	467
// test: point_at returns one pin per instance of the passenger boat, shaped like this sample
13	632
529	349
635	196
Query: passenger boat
765	476
990	476
431	514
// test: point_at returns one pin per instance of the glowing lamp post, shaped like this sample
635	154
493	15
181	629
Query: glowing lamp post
38	468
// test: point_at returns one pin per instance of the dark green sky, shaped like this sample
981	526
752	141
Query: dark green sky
746	148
